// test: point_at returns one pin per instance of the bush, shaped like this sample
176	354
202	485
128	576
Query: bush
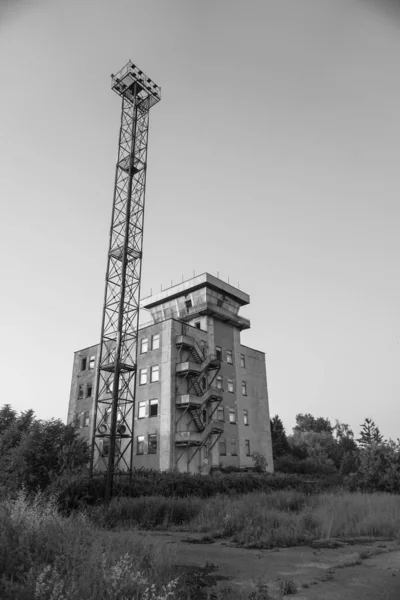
78	491
46	556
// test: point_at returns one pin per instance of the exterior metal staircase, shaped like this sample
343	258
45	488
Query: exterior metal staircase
201	393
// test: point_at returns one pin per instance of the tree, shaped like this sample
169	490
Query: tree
309	423
7	416
33	452
369	434
280	444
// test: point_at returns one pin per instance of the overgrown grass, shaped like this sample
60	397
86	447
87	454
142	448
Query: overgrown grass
357	514
44	556
283	518
290	518
151	512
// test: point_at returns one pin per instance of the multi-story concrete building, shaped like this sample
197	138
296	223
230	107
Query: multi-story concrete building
201	395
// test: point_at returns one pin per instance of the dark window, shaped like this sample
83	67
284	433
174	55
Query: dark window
152	448
233	448
188	304
140	444
242	361
83	364
89	390
218	352
222	448
197	325
104	447
86	419
154	407
245	416
80	392
247	447
155	341
220	302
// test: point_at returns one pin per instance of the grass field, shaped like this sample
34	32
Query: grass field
46	556
283	518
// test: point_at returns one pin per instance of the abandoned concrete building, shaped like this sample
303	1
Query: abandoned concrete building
201	396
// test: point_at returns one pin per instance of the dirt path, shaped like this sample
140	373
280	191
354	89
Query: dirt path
319	573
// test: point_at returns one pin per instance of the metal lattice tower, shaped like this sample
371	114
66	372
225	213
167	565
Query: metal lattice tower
112	441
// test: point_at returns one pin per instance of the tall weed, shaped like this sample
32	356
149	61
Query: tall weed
49	557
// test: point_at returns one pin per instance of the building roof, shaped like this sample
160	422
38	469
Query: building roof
195	283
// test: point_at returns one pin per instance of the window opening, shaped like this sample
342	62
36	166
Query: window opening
142	409
154	373
154	407
155	341
152	447
143	376
140	444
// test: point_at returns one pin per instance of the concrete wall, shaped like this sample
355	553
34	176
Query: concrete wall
85	377
258	430
160	390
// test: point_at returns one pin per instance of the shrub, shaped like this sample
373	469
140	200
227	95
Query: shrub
46	556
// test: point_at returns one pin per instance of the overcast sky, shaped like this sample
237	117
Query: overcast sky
273	160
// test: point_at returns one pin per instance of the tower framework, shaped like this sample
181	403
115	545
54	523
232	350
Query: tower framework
112	440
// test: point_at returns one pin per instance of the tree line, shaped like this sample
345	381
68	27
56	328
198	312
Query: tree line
35	453
316	447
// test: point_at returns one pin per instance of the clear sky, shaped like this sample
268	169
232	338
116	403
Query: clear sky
273	160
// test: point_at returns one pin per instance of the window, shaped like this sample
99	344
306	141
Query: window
142	409
188	304
233	448
92	361
230	386
89	390
83	364
222	448
245	416
242	361
220	302
80	392
232	416
244	388
155	341
142	376
152	448
218	352
220	413
247	447
104	447
197	324
154	373
144	345
86	419
219	382
229	357
140	444
154	407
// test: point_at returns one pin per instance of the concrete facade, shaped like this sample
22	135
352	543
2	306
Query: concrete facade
201	396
